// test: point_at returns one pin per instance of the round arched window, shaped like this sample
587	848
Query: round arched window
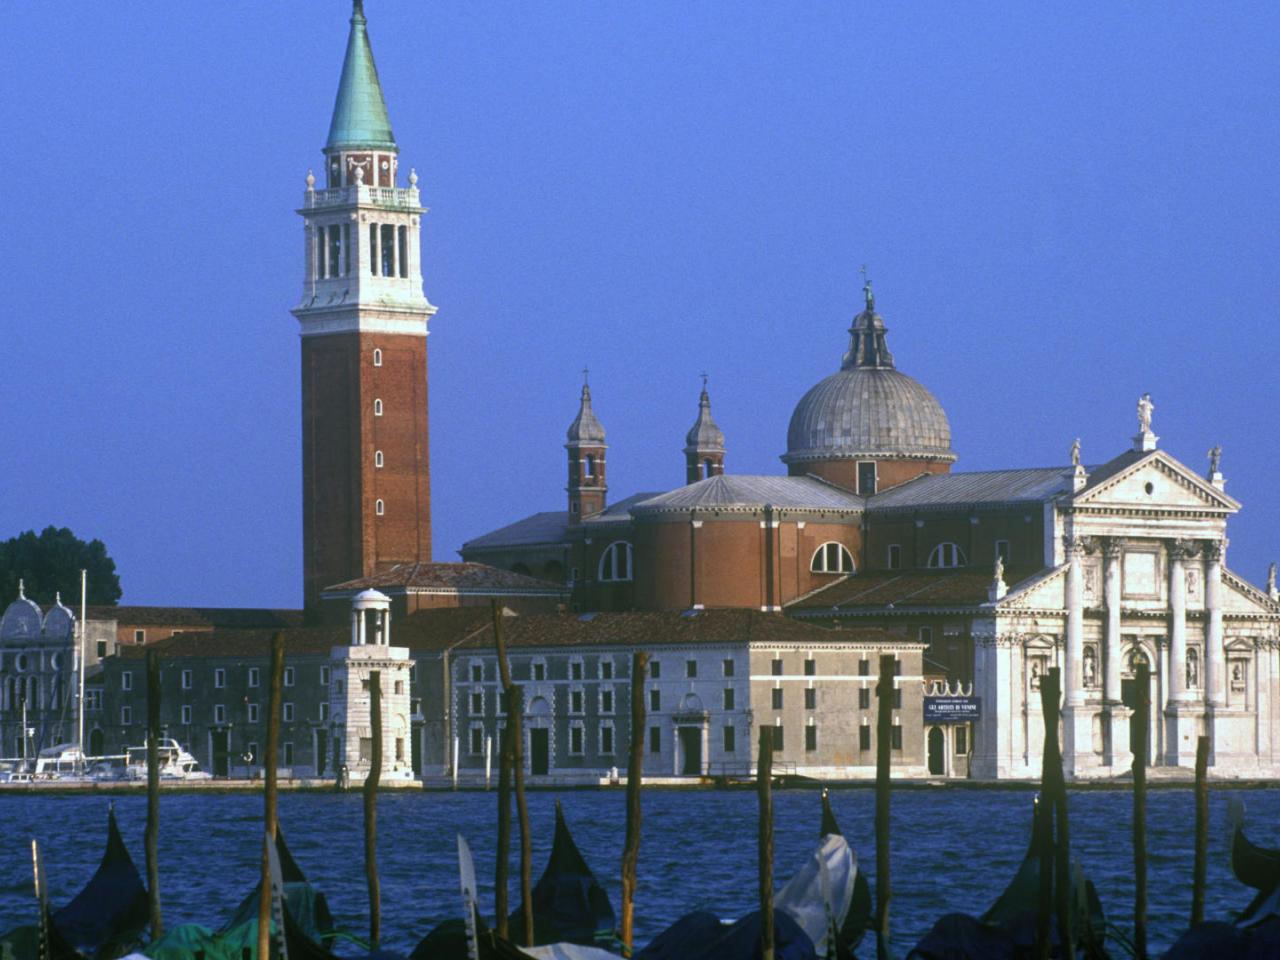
946	555
615	562
832	557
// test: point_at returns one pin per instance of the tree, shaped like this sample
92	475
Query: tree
50	563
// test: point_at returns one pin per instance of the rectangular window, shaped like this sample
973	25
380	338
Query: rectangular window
864	737
346	249
251	749
139	636
219	713
810	739
894	559
810	698
102	649
575	669
366	749
962	740
606	669
728	698
1002	550
728	667
539	670
373	249
324	712
926	635
655	701
690	669
335	250
776	667
575	701
399	749
866	477
477	703
606	701
864	668
477	673
255	675
93	699
288	676
897	698
219	678
895	737
575	740
126	680
606	738
776	697
288	713
288	754
476	744
810	667
186	714
399	688
655	670
186	679
730	739
253	713
324	676
404	251
864	698
126	715
655	739
777	739
388	250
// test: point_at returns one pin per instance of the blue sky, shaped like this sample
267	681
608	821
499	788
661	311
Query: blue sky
1059	209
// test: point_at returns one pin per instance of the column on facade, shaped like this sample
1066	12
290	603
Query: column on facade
1113	653
356	616
1177	622
1215	666
1074	650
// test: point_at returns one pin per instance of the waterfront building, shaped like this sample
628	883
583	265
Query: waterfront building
1000	574
37	676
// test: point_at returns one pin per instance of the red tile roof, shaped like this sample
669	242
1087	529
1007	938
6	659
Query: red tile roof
933	588
201	617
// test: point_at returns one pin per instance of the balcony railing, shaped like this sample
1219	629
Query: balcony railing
404	197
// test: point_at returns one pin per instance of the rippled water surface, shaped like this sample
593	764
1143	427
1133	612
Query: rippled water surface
953	850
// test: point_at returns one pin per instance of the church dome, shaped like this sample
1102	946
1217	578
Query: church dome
868	409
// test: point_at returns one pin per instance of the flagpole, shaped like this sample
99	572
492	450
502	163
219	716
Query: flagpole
82	656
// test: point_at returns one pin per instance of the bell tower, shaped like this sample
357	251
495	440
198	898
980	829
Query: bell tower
366	497
585	445
704	443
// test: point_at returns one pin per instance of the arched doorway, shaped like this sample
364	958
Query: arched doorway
539	718
937	752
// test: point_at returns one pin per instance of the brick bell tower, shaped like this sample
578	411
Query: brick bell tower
585	445
366	495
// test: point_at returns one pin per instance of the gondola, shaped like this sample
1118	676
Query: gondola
103	921
1008	928
569	906
1255	934
822	911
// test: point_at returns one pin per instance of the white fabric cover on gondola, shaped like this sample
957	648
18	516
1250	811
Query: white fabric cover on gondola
817	898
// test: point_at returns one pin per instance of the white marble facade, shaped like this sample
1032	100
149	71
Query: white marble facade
1138	572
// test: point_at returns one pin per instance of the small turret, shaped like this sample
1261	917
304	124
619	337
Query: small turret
587	487
704	443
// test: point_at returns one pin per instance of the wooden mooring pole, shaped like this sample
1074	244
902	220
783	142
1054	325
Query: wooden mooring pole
515	724
884	732
276	682
1053	791
635	772
151	839
371	809
1139	737
502	865
1198	873
1044	812
764	791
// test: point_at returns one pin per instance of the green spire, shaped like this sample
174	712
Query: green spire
360	112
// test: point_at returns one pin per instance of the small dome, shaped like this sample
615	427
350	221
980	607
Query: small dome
868	409
370	600
22	621
585	427
59	622
704	436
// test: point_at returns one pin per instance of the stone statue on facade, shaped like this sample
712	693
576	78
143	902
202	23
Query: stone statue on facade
1145	409
1075	452
1215	459
1271	579
998	574
869	296
1089	668
1193	668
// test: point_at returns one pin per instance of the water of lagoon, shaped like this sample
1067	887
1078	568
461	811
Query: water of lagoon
953	850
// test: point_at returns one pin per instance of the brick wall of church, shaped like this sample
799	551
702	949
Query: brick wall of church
889	473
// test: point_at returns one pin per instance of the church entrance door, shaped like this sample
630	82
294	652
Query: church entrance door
937	752
691	751
539	751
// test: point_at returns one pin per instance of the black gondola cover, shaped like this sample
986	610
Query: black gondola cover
107	917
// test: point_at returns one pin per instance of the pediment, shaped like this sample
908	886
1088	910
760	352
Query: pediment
1156	482
1241	598
1044	592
